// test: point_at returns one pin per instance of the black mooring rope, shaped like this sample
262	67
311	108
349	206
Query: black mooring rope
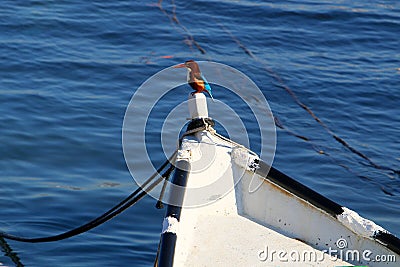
167	174
10	253
119	208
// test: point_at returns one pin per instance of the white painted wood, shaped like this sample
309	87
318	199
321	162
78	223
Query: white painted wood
198	106
224	223
287	214
217	234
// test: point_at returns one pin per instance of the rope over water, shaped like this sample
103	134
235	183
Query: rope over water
200	124
132	199
10	253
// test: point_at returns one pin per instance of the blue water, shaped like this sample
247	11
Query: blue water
69	68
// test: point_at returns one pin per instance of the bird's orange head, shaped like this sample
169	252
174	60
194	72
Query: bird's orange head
190	64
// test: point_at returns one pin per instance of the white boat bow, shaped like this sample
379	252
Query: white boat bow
234	210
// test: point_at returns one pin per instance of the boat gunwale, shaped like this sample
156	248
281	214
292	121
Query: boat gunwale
332	208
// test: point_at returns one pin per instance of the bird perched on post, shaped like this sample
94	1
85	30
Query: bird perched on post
195	79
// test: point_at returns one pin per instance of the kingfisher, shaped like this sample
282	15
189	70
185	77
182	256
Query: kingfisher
195	79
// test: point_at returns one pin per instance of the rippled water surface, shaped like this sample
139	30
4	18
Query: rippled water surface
69	68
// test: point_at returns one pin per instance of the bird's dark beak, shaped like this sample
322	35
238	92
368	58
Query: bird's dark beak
180	66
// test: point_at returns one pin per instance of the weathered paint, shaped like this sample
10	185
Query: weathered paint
297	218
169	234
170	225
235	226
